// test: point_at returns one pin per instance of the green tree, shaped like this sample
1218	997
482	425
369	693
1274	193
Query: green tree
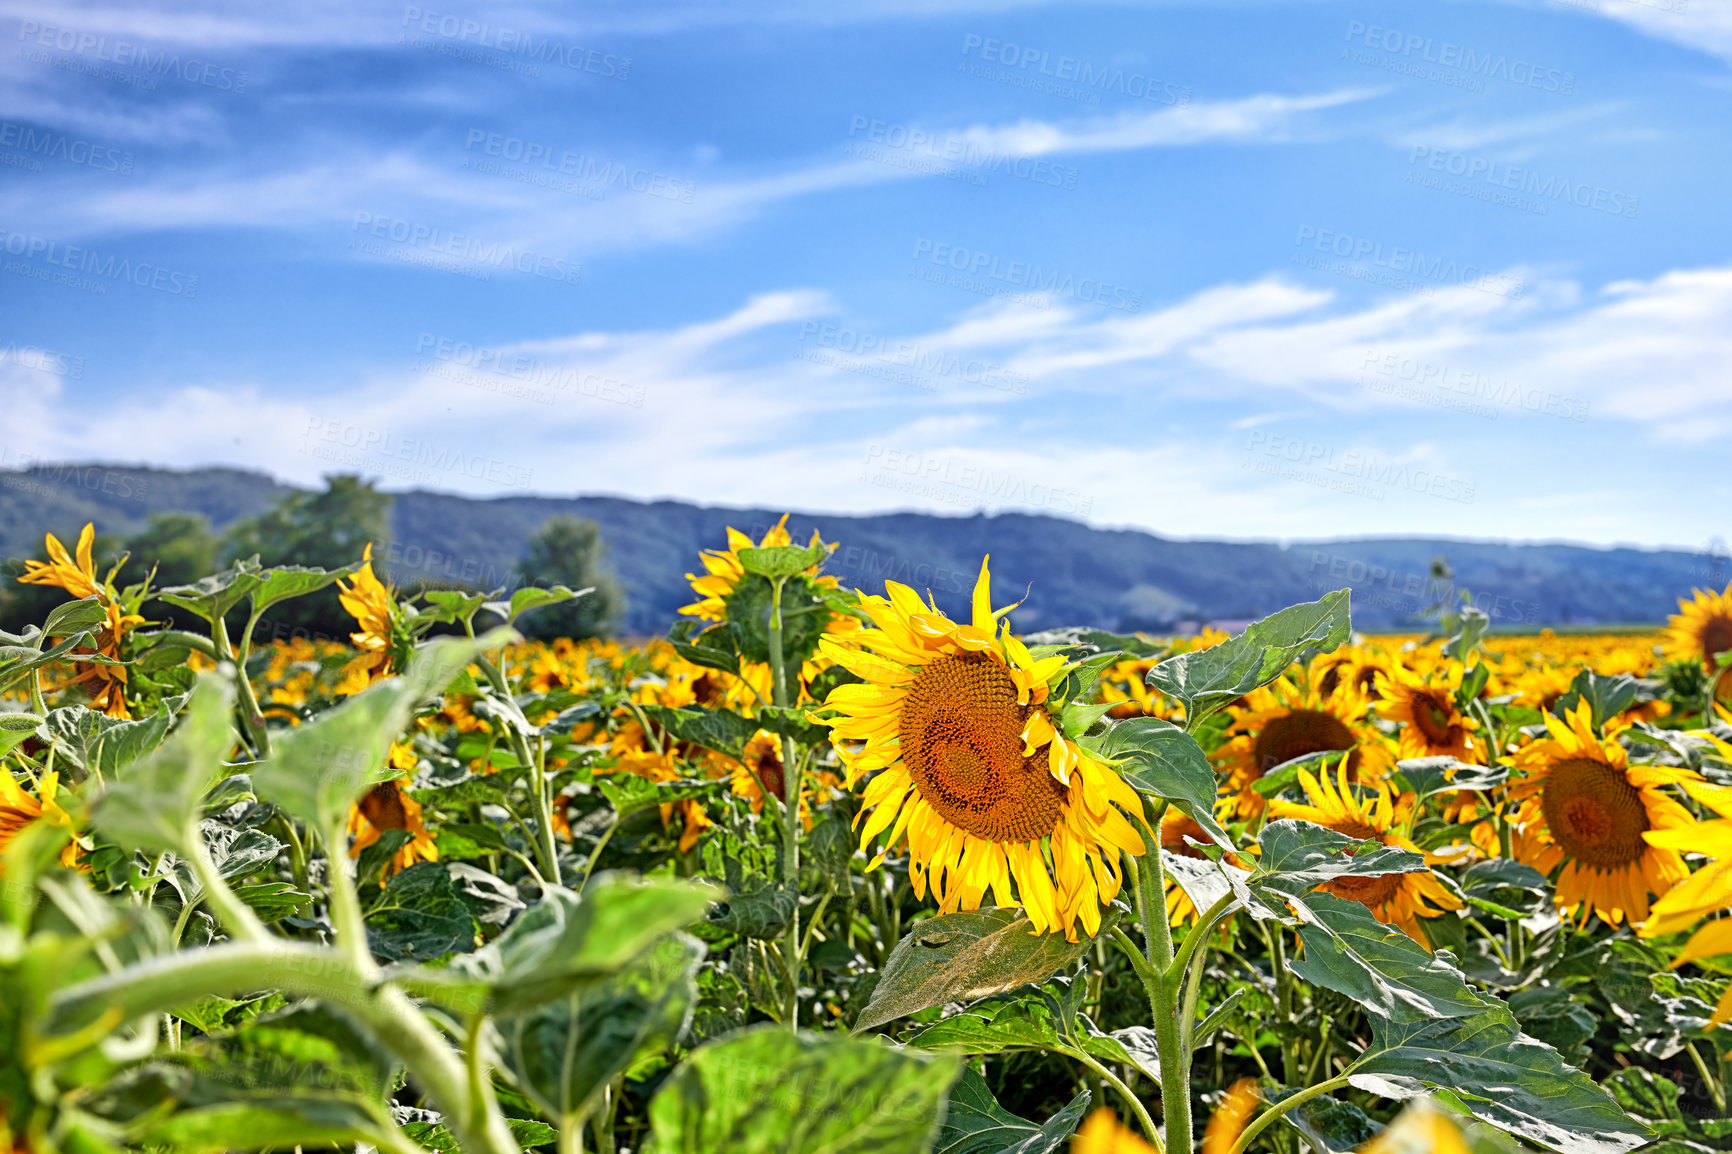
329	529
181	548
568	550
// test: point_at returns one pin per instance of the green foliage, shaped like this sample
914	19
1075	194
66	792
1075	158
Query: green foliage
569	551
325	530
612	944
767	1091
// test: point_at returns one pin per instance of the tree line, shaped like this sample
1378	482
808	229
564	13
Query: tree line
328	529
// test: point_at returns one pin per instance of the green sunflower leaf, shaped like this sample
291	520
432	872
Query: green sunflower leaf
1397	979
81	616
286	581
717	729
781	560
768	1091
212	597
975	1123
966	956
565	1052
157	803
1209	680
1157	757
1505	1078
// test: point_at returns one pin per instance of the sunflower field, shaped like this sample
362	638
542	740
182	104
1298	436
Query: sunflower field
825	870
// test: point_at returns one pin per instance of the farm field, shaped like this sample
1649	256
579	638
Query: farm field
830	870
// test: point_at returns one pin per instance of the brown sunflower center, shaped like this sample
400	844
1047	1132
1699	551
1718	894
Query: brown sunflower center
1296	734
1594	813
1716	638
383	807
961	733
1434	717
1372	890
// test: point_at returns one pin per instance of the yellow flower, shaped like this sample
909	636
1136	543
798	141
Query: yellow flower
1103	1134
723	578
968	766
1231	1117
1420	1129
1584	806
1398	900
19	809
1424	702
106	684
1280	722
1702	627
1365	669
370	602
1705	892
389	806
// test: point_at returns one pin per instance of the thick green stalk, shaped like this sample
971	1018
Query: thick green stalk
346	917
790	803
161	984
251	719
236	916
249	700
1163	988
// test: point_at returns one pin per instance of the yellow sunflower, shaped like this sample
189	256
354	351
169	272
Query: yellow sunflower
1701	628
969	767
724	588
1707	891
1103	1133
1364	668
1231	1116
370	602
389	806
106	684
1582	805
1421	1129
19	809
1281	722
1398	900
1423	702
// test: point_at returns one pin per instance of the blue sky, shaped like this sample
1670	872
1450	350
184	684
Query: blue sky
1240	270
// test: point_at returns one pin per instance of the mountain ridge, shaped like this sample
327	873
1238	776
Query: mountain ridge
1073	573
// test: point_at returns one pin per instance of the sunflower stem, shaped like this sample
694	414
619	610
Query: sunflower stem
1163	984
790	802
1135	1103
1272	1113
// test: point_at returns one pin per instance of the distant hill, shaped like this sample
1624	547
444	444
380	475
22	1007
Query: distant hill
1073	574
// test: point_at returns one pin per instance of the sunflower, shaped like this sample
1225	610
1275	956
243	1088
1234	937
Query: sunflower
1421	1129
389	806
1584	806
1423	701
19	809
1397	899
370	602
1281	722
729	596
1178	832
1360	666
105	683
1702	628
1705	892
1103	1133
1231	1116
970	768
